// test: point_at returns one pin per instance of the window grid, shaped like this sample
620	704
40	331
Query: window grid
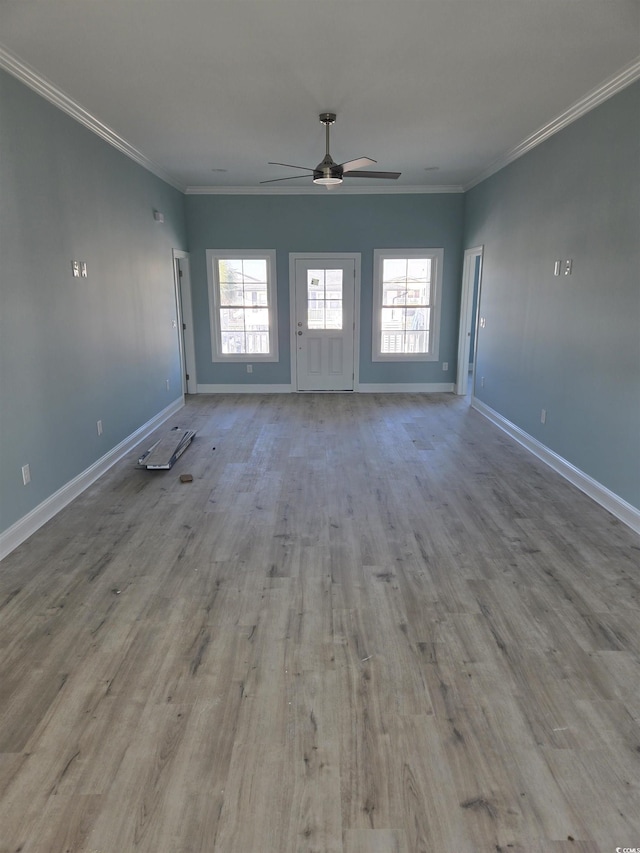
406	310
242	305
324	299
406	316
244	311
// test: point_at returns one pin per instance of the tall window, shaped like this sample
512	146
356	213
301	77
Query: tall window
406	315
242	296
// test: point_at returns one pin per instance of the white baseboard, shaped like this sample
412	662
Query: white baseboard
28	524
244	389
622	510
406	387
363	388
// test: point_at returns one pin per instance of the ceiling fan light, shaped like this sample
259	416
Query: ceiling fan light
327	181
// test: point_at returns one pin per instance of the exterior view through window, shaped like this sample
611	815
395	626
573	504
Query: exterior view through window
406	292
324	299
406	305
244	314
243	306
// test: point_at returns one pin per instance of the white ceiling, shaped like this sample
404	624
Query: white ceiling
198	86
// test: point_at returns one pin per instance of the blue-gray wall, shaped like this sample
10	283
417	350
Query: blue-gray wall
73	351
568	344
327	222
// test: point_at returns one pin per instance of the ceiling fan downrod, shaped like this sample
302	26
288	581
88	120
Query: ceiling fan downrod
327	119
327	173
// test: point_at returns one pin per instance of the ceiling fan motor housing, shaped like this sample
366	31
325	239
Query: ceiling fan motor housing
328	169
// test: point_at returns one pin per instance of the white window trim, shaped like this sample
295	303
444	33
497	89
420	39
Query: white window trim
213	255
437	259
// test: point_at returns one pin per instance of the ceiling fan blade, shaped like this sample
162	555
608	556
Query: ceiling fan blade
290	178
306	168
357	164
392	175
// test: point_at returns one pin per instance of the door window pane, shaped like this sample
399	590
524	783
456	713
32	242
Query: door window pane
315	284
333	315
324	299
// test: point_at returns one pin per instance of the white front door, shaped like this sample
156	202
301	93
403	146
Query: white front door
324	323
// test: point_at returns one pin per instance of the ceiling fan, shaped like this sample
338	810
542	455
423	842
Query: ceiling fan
329	173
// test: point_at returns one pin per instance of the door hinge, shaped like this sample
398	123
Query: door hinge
187	376
179	273
184	326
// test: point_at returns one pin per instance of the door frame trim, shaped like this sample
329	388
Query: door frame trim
184	306
356	257
466	314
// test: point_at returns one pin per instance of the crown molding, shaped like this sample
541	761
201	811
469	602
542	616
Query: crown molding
629	74
48	90
313	190
623	78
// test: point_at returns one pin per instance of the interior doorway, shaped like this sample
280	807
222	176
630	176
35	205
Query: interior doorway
469	302
186	340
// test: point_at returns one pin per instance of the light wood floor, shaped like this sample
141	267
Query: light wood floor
371	624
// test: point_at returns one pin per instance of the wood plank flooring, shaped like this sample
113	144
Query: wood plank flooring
371	624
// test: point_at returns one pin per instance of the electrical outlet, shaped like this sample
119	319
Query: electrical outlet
249	368
543	416
26	474
445	365
168	384
99	427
